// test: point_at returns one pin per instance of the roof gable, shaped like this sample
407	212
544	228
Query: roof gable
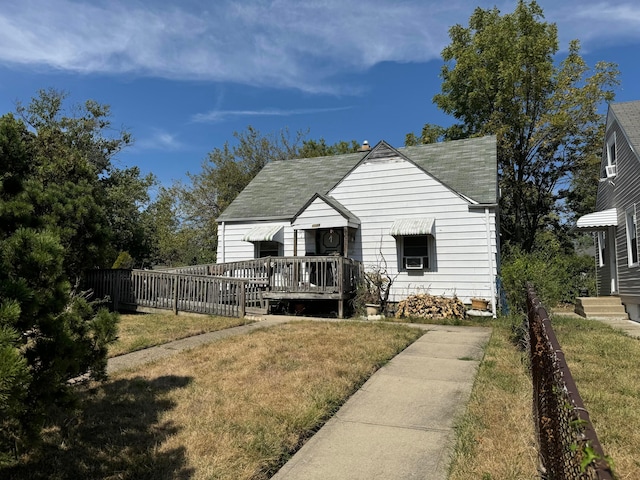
349	218
283	188
627	115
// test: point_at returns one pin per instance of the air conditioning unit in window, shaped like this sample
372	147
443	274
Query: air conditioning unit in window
413	263
612	170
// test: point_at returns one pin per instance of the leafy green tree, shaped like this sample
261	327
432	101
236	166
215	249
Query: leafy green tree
126	200
431	133
74	187
225	173
47	335
500	78
319	148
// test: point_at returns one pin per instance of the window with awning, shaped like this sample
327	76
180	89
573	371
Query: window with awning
264	233
412	226
414	238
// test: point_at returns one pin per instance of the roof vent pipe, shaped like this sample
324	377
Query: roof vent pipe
365	147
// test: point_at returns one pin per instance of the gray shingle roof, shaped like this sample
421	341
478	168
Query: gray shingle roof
282	188
628	115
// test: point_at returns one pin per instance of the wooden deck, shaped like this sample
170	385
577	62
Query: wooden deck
229	289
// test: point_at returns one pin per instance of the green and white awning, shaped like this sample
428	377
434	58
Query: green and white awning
264	233
413	226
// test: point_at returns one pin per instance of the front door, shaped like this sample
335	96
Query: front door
329	241
613	263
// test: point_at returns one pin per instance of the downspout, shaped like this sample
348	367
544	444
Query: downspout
222	249
492	280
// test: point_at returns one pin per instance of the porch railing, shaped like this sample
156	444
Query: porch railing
225	289
130	289
321	274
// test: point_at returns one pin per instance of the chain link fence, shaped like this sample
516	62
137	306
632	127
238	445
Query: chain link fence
567	443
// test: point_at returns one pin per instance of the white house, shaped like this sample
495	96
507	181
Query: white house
429	212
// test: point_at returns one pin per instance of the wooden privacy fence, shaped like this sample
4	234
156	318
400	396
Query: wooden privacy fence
567	442
132	289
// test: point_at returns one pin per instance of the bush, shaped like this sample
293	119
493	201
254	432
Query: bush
124	260
557	276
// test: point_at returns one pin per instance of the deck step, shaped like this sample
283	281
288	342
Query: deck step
600	307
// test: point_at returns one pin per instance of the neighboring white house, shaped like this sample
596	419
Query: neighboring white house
430	212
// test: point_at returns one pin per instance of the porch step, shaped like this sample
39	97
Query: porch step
600	307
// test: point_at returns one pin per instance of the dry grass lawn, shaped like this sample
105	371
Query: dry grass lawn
606	367
495	436
138	331
235	409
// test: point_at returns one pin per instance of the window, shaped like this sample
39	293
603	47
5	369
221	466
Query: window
415	252
602	248
611	168
268	249
632	236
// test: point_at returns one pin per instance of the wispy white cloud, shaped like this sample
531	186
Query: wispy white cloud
279	43
220	115
159	140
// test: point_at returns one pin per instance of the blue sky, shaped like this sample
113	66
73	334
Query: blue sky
183	76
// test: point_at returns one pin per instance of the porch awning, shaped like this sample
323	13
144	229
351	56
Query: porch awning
264	233
599	220
412	226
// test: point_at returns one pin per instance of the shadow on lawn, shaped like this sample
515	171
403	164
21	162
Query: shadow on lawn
116	435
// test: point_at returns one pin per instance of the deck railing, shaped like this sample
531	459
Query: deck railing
313	274
130	289
225	289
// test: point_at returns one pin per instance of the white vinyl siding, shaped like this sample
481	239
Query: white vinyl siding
384	190
236	249
319	215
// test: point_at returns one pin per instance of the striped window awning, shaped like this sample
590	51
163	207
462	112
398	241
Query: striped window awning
599	220
264	233
413	226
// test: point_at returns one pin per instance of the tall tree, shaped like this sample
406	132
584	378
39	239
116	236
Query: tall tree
225	172
126	200
74	185
47	334
319	148
500	78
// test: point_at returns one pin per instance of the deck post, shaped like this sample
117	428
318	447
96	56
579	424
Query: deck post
345	235
340	308
176	280
242	300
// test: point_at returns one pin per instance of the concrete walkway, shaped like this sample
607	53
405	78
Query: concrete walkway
399	425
